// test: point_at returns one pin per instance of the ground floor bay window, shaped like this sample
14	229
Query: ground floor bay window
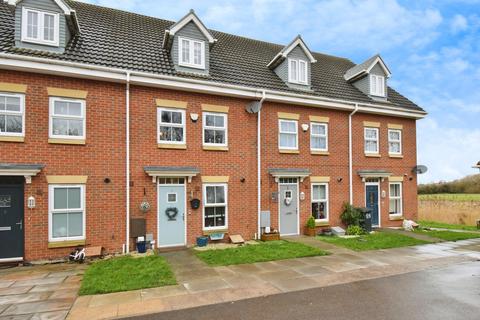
395	194
320	201
66	212
215	209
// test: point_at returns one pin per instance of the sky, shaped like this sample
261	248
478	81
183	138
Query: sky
431	47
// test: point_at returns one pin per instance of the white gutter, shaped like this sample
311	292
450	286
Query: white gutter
127	160
86	71
259	162
350	155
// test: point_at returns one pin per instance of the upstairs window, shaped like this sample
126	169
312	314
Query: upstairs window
377	85
171	126
67	118
215	129
371	140
297	71
191	53
319	136
287	134
40	27
394	141
11	114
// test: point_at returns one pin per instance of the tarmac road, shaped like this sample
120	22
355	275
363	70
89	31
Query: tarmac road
449	293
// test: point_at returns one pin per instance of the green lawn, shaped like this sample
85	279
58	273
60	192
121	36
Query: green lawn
126	273
433	224
264	251
451	196
449	235
373	241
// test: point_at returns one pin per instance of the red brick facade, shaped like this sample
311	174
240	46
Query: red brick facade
103	156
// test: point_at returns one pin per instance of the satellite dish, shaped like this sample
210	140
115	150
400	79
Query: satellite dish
420	169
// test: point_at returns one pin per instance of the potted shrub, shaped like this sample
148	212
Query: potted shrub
310	227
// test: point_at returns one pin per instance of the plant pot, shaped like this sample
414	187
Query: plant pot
202	241
270	236
311	232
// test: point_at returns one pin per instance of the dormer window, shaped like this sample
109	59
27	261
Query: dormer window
191	53
40	27
297	71
377	85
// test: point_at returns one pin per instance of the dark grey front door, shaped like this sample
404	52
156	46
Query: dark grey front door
11	219
371	192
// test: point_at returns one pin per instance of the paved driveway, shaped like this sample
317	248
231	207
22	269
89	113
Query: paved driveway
39	292
445	293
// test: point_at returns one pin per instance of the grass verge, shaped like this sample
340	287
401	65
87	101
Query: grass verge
374	241
449	235
126	273
450	197
433	224
264	251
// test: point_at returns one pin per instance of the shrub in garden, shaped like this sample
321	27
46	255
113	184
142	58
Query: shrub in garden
354	230
350	215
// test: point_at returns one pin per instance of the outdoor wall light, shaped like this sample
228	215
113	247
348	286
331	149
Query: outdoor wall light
242	179
304	127
194	117
339	179
31	202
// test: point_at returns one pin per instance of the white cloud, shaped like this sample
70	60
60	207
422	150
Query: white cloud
458	24
449	153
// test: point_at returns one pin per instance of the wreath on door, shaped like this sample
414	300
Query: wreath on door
171	213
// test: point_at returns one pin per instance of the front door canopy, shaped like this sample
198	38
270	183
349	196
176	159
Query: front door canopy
26	170
367	174
289	173
158	171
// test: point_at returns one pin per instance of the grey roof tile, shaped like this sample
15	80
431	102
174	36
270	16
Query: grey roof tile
119	39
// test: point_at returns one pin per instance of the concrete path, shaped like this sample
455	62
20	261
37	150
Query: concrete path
411	234
440	293
200	284
39	292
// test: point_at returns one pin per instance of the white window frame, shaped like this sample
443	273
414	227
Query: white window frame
377	85
41	20
224	128
280	133
295	78
82	117
51	211
14	113
176	197
400	197
327	200
377	140
313	135
176	125
205	205
399	141
191	43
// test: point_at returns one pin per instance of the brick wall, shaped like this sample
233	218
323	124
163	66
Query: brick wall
104	156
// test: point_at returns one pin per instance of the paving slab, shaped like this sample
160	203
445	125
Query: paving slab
54	315
38	306
26	297
115	298
14	290
207	284
155	293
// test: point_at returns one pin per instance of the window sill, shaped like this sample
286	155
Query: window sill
288	151
66	141
171	146
207	232
373	155
395	217
399	156
66	244
12	139
320	223
319	153
215	148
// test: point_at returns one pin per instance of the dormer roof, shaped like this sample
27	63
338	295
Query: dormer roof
189	17
298	41
67	10
364	68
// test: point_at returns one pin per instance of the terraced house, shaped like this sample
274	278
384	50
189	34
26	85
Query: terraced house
114	125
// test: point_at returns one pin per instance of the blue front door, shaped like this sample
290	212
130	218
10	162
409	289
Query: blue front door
371	193
171	215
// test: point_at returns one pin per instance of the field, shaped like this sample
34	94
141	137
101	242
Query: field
449	208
